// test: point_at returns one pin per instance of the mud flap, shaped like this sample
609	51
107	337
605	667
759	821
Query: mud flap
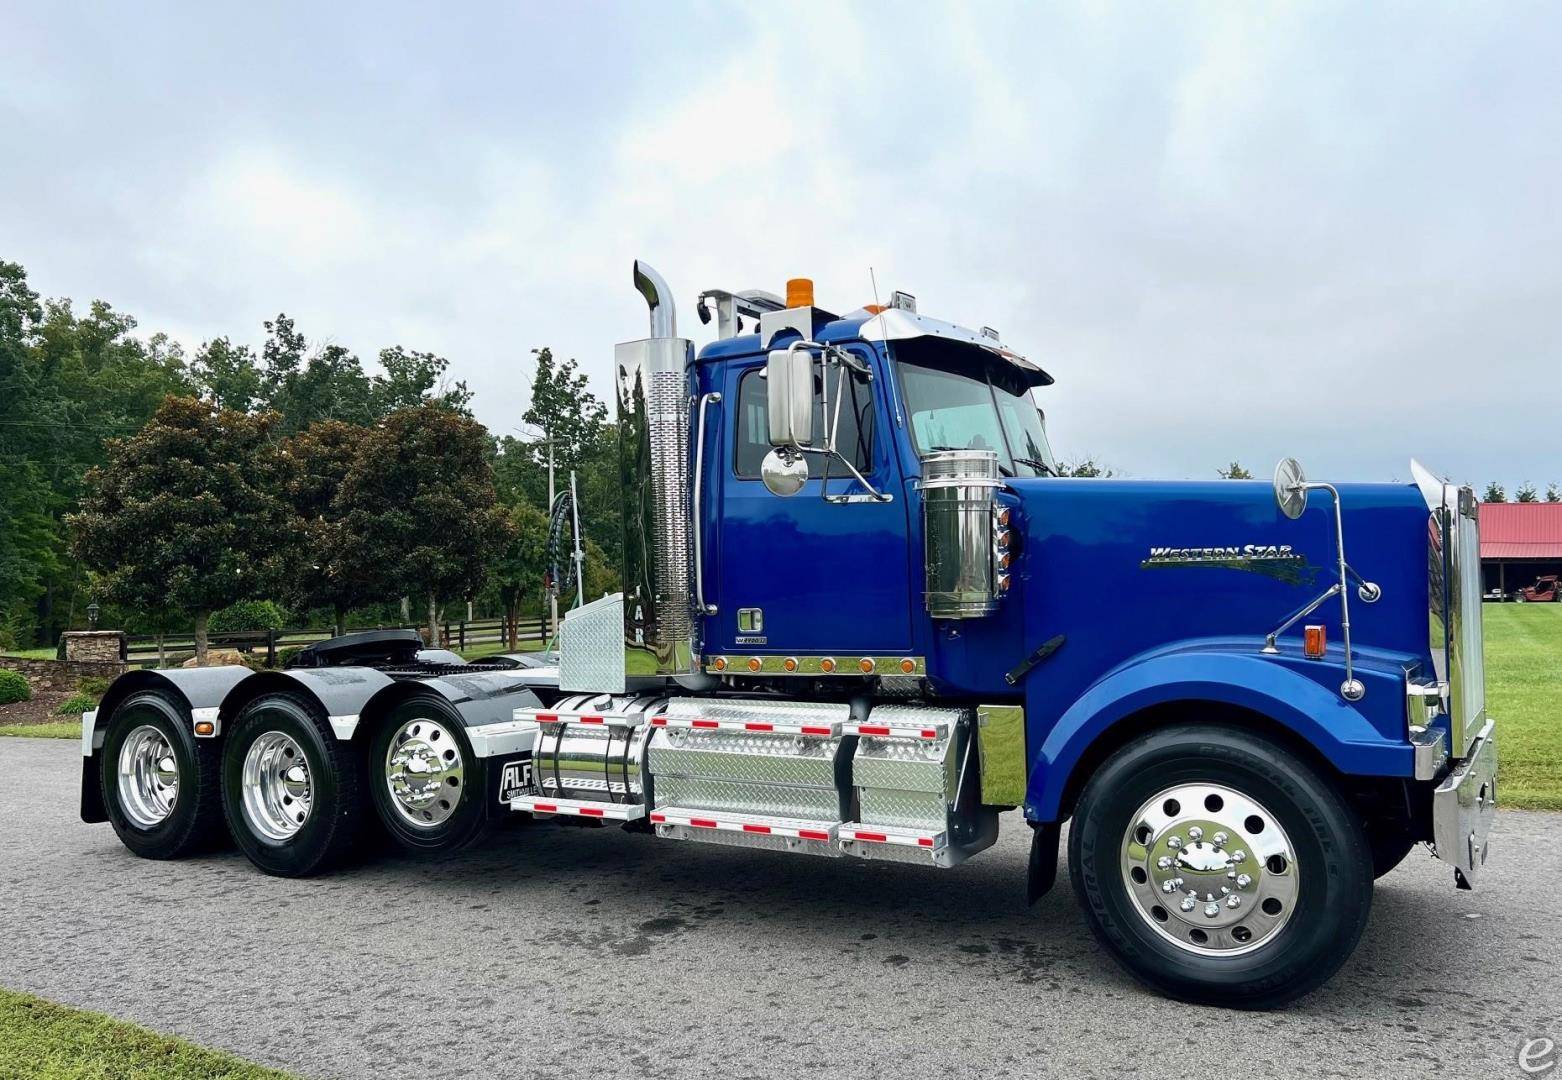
1042	872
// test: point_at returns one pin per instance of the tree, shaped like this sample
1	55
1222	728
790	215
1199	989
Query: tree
413	377
1494	493
319	459
520	566
1553	494
418	504
1087	467
1527	493
189	512
226	374
1235	471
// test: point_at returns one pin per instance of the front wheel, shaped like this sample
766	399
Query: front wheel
1219	868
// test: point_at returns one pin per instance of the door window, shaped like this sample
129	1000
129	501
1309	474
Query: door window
854	438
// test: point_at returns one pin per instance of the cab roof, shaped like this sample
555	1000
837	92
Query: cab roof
889	325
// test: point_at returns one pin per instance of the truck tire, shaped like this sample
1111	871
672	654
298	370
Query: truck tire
160	784
1220	868
426	784
292	793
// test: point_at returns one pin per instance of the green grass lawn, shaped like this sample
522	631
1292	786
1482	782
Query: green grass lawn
31	654
1524	695
54	729
44	1041
477	652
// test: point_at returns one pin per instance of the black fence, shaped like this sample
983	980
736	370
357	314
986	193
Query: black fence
268	645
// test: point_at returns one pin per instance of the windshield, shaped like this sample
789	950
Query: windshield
955	411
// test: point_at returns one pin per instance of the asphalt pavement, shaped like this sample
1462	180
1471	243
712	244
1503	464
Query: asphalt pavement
567	952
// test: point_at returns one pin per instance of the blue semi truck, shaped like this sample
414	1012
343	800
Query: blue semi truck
862	617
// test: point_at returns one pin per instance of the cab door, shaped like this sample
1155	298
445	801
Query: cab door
798	575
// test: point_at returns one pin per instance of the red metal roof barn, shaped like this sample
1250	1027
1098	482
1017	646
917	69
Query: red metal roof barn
1520	542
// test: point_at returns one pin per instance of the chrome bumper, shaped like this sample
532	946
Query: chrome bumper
1464	807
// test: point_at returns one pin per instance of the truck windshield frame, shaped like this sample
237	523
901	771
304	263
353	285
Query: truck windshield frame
953	404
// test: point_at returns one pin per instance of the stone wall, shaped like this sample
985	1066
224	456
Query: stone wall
97	645
62	674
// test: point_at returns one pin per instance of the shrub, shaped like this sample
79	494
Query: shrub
13	687
247	615
96	685
77	704
285	655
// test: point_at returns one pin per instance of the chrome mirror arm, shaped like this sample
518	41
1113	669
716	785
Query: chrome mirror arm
1351	689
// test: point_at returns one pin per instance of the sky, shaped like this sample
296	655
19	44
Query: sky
1332	231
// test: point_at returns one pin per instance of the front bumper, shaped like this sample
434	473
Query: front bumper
1464	806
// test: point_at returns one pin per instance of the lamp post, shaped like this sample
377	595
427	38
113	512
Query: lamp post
92	615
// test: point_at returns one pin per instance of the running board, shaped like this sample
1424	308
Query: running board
606	811
745	830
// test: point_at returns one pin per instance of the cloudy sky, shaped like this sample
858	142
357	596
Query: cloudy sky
1230	231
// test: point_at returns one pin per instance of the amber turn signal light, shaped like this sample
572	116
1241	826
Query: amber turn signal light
1314	642
204	727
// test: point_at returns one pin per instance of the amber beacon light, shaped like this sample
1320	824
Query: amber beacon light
799	292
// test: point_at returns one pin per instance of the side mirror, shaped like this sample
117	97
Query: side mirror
1290	488
789	394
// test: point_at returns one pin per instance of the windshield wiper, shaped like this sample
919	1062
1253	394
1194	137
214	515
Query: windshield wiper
1037	464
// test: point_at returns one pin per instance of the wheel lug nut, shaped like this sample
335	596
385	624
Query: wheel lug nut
1187	904
1174	843
1211	910
1243	881
1195	833
1163	863
1239	856
1233	902
1169	887
1220	838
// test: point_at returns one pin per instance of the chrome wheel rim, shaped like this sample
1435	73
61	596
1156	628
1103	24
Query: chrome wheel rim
148	777
1210	869
278	790
424	773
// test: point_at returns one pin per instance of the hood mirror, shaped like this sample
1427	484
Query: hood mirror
784	472
1290	488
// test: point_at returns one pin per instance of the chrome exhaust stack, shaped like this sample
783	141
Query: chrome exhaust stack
652	379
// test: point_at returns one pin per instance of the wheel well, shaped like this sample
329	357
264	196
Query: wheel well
1366	793
262	682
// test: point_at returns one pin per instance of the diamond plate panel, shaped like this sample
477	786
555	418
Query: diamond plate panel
869	772
772	800
776	767
744	711
911	809
591	647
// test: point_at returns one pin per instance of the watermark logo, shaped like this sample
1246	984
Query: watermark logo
1538	1057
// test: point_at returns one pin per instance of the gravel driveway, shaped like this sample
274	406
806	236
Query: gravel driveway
565	952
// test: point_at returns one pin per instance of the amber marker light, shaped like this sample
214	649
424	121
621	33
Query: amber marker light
720	663
753	663
827	665
205	727
1003	515
1314	642
908	666
790	663
866	664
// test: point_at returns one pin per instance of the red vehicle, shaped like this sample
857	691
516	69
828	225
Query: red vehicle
1545	590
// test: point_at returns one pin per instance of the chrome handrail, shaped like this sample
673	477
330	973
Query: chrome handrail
696	525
